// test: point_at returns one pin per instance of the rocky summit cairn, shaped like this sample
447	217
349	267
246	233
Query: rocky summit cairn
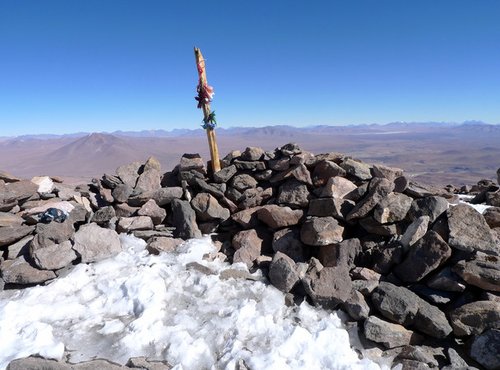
417	271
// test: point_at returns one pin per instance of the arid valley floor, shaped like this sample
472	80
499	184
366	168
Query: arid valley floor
432	153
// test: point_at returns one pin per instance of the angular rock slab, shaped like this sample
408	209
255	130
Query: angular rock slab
474	318
20	271
389	334
318	231
485	349
184	220
11	234
469	231
329	286
425	256
483	271
93	243
283	273
277	217
248	246
55	256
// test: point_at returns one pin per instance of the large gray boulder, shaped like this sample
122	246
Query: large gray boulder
93	243
425	256
358	169
469	231
150	178
129	173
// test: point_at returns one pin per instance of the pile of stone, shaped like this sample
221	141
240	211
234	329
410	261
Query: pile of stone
417	271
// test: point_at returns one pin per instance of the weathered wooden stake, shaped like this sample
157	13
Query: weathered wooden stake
204	104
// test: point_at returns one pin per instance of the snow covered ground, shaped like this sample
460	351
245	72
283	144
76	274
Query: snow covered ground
136	304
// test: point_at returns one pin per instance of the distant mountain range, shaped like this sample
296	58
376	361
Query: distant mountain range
280	129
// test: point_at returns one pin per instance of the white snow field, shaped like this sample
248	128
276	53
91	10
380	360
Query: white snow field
137	304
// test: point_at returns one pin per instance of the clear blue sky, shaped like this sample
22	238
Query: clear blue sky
104	65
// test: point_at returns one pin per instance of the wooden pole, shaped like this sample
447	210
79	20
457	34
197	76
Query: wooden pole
205	106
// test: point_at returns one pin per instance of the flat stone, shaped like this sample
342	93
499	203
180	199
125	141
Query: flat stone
20	271
156	245
336	207
398	304
45	184
225	174
469	231
386	333
122	192
19	248
93	243
390	173
246	218
432	206
373	227
476	317
319	231
37	363
483	271
299	172
9	219
128	224
277	217
242	182
446	280
356	306
11	234
249	165
252	153
191	161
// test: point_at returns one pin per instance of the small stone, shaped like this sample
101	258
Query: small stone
225	174
356	306
242	182
252	154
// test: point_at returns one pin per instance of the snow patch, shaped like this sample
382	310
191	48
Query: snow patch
136	304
